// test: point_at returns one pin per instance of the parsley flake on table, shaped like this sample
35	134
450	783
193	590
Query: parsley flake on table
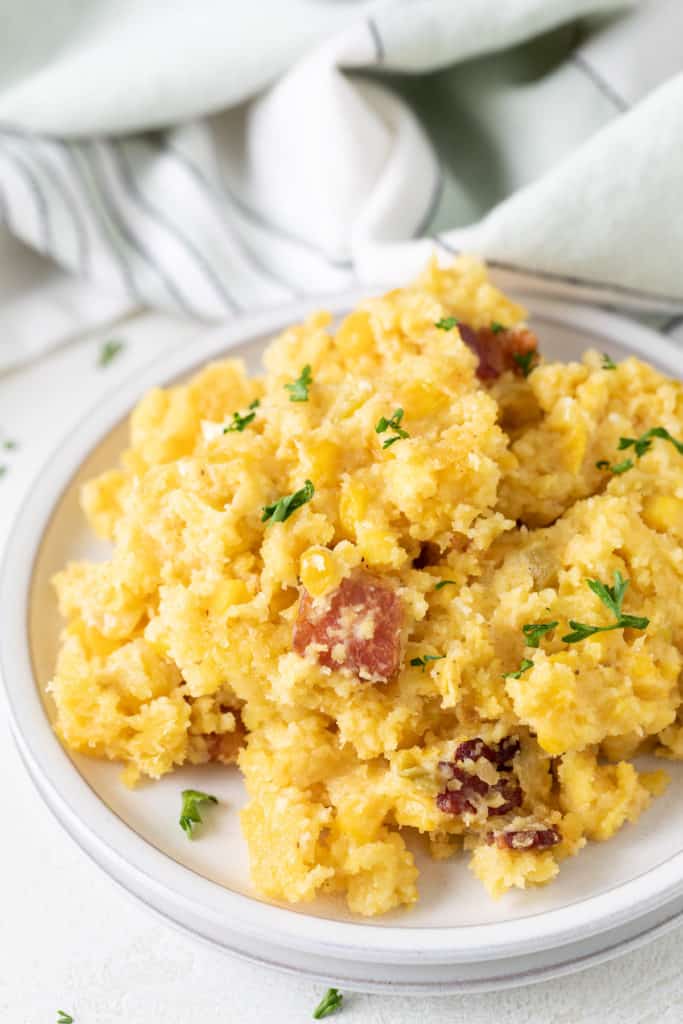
109	351
612	598
298	391
607	362
9	445
331	1001
64	1018
444	583
526	361
533	631
239	422
525	665
282	509
394	423
189	814
447	323
3	470
496	327
425	659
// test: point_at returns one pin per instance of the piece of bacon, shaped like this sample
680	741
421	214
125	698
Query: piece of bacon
496	350
537	837
357	627
466	791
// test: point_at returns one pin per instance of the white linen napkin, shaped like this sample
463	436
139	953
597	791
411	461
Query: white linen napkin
546	135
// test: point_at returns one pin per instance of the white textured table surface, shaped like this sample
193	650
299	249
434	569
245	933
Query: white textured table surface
71	939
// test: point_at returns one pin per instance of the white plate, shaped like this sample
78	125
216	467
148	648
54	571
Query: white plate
611	896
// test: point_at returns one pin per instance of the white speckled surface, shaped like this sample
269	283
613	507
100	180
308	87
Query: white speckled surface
71	939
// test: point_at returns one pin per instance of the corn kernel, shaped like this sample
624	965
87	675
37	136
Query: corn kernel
423	399
283	599
319	571
355	334
228	593
663	512
379	548
353	505
323	457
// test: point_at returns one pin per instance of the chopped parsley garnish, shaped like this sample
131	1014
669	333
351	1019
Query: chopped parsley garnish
331	1001
394	423
443	583
497	328
3	470
10	445
239	422
640	445
617	468
607	362
298	391
525	665
64	1018
189	815
109	351
643	443
612	598
425	659
533	631
526	361
282	509
447	323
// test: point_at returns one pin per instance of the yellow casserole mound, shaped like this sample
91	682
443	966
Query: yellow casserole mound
180	648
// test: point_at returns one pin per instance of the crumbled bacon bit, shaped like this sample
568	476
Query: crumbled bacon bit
466	791
502	757
496	350
536	838
463	797
357	627
510	792
507	748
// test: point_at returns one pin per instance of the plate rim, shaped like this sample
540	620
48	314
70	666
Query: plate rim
181	885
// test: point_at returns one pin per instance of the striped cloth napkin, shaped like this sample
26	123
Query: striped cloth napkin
211	159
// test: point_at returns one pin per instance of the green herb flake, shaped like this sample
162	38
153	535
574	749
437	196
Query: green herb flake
3	471
444	583
525	665
526	361
447	323
607	362
298	391
239	422
642	444
612	598
282	509
10	445
393	423
64	1018
109	351
497	328
533	631
425	659
331	1001
189	814
618	468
